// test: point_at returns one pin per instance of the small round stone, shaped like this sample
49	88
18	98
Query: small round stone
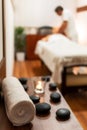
52	86
35	99
63	114
42	108
45	78
23	80
55	97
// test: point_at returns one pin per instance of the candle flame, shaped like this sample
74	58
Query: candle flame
39	85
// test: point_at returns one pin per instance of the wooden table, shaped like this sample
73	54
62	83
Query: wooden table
42	123
49	122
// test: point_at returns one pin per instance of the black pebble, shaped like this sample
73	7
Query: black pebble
43	109
23	80
52	86
55	97
45	78
35	99
63	114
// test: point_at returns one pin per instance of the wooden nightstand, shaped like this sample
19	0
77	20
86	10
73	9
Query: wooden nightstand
31	41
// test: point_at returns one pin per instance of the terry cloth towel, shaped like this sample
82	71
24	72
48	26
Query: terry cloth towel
19	107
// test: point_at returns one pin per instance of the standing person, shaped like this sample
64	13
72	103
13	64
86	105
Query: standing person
68	25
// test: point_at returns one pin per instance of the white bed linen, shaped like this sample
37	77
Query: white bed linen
59	51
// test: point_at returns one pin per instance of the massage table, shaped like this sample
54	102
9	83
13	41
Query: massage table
59	52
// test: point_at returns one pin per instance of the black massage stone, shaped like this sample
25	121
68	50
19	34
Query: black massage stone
63	114
35	99
55	97
23	80
25	87
45	78
52	86
43	109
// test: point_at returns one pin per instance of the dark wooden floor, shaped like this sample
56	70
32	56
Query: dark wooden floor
77	101
30	69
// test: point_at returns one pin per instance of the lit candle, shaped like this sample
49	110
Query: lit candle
39	86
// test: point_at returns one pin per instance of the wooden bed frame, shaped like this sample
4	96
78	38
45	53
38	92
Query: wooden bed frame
66	89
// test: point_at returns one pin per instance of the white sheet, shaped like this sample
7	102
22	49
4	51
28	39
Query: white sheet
59	51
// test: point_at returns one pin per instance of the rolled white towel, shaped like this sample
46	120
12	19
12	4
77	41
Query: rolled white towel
19	107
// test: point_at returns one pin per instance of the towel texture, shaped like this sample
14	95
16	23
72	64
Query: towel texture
19	107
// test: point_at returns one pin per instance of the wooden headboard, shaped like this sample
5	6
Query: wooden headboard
83	8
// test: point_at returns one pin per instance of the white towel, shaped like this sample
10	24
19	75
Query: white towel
19	108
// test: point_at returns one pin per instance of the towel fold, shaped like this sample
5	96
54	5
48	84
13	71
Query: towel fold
19	107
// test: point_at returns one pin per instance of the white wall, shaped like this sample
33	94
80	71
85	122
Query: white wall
82	3
39	12
1	40
9	27
82	23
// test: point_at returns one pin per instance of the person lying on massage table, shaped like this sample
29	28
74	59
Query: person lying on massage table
68	25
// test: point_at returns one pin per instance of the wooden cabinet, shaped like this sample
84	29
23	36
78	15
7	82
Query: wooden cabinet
31	41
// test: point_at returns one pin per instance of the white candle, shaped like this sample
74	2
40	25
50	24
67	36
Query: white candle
39	89
39	86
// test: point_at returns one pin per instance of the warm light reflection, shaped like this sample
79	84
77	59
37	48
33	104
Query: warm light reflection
39	86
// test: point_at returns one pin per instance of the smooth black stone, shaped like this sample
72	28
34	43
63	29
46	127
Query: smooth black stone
52	86
25	87
23	80
45	78
55	97
43	108
63	114
35	99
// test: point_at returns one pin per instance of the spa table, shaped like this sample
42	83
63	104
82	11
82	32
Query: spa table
48	122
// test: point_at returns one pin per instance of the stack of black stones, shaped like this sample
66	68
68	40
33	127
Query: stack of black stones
43	109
